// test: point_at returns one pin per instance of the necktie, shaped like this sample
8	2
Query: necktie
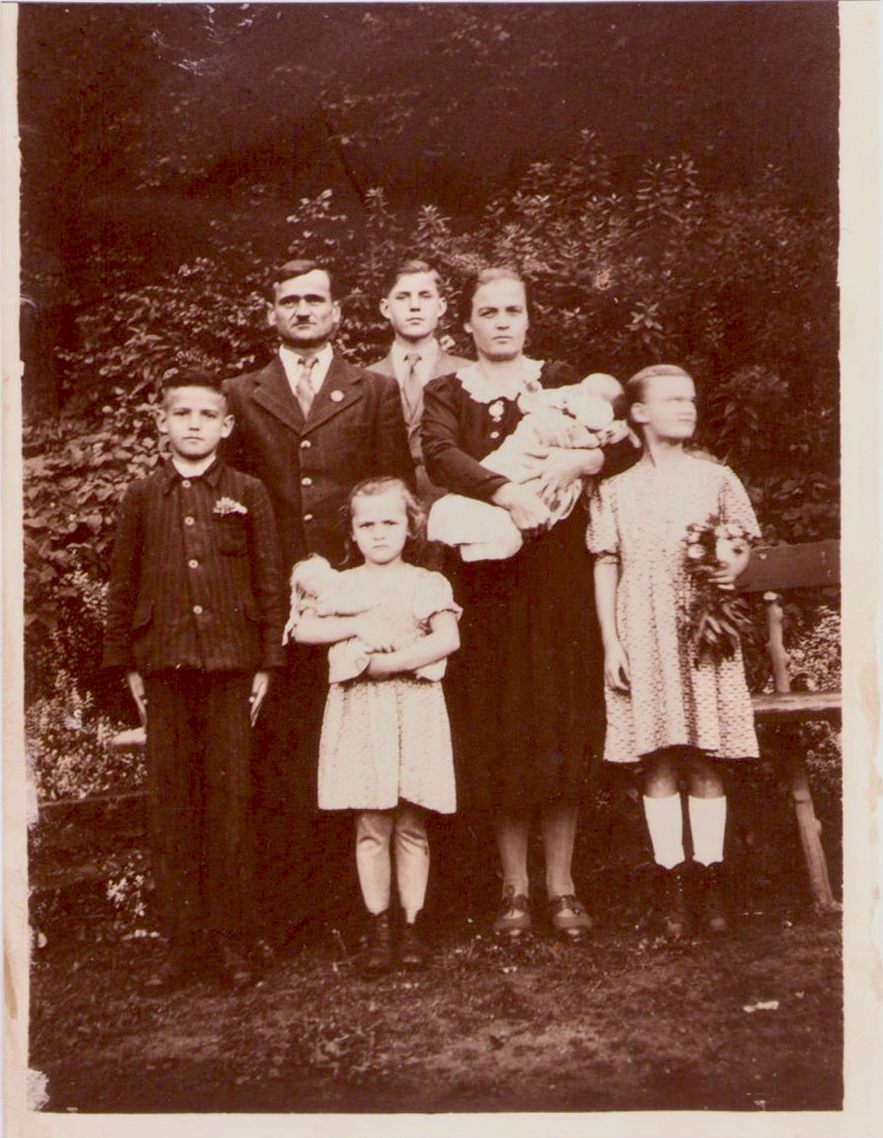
412	398
303	387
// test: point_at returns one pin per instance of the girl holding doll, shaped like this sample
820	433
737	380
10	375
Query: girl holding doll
672	703
385	749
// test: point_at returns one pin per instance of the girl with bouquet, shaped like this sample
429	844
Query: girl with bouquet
675	686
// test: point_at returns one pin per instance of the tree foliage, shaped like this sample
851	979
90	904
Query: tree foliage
737	286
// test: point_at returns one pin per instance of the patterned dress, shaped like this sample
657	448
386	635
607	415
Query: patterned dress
641	517
386	740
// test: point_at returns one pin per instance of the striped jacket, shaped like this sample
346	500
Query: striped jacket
196	578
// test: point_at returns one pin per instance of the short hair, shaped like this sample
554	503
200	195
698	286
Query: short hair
190	377
298	268
636	386
416	515
406	268
486	276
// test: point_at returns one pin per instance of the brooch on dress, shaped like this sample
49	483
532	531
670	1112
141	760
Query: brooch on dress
226	506
496	410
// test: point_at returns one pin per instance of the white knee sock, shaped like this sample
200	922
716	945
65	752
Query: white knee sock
373	858
708	821
666	825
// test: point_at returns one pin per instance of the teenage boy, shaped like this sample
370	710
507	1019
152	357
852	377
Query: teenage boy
414	305
194	618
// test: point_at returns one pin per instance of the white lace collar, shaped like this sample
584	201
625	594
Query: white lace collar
477	387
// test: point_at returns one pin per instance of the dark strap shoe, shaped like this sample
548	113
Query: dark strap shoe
378	954
569	917
514	917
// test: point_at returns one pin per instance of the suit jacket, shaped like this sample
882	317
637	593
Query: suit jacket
190	585
355	430
445	364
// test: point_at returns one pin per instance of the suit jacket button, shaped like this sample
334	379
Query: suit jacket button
186	483
306	481
193	563
198	610
305	444
190	520
308	517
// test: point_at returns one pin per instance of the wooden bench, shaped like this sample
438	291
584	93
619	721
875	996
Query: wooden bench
775	569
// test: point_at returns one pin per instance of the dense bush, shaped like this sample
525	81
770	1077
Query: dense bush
737	286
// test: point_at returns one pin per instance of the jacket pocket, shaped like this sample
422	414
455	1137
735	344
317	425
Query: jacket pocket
232	537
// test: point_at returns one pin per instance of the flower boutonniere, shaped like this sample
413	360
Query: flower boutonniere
496	409
225	507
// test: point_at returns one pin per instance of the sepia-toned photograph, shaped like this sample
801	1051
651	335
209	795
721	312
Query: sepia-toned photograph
429	527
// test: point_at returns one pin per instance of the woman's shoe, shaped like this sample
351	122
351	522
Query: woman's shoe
378	954
569	917
514	917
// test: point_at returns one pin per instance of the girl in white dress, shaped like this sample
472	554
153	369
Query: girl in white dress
385	749
665	706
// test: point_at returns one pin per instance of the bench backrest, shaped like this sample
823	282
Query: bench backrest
776	568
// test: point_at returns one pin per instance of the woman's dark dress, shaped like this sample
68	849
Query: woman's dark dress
525	691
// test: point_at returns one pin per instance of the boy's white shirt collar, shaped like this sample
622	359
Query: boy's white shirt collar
291	361
428	355
194	469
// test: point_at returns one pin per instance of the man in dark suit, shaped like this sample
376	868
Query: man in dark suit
413	304
310	426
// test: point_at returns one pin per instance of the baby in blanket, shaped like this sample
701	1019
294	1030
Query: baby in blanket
580	416
314	585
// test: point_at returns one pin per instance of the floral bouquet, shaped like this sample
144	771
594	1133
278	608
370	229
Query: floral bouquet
713	618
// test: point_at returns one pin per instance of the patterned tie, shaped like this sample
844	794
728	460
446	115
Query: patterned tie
412	397
303	387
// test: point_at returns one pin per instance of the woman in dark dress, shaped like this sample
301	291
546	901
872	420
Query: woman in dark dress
526	692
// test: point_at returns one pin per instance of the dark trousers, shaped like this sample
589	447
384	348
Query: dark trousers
200	785
305	857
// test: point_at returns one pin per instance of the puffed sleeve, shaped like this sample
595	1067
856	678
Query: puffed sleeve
735	505
435	595
602	535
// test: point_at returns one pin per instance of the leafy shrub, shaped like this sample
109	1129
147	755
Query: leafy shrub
738	286
67	742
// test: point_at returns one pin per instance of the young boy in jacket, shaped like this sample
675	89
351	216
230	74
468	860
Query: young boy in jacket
195	614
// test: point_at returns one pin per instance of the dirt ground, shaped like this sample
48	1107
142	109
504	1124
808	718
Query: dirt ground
627	1022
752	1022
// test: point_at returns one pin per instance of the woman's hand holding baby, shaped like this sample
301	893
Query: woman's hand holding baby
526	509
562	467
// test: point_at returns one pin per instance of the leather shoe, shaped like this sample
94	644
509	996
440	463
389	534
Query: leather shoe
712	907
233	967
569	917
378	955
514	917
413	952
674	909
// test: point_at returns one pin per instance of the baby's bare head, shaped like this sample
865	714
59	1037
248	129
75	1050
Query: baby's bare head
604	386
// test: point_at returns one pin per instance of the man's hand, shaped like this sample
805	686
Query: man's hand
136	687
260	685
